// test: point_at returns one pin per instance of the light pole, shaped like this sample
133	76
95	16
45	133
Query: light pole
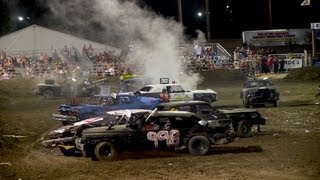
180	11
208	21
270	13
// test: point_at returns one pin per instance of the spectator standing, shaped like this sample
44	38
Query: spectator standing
90	51
275	65
270	64
281	66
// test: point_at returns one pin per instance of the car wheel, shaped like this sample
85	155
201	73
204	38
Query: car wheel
105	151
275	103
67	152
199	145
243	129
245	103
48	93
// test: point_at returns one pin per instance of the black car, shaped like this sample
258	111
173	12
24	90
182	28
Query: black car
259	92
174	129
242	119
65	137
67	88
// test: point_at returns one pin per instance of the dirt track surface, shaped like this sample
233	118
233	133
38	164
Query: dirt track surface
287	148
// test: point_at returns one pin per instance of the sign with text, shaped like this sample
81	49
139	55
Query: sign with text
291	60
315	25
279	37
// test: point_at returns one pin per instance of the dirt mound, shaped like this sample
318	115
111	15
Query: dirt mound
218	76
304	74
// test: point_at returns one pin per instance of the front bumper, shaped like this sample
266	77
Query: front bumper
49	143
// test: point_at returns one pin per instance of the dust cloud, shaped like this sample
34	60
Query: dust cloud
155	39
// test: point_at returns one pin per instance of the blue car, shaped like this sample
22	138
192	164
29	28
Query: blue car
98	105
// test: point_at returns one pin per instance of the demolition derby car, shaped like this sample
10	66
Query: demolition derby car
259	92
98	105
175	129
176	92
242	119
68	88
66	137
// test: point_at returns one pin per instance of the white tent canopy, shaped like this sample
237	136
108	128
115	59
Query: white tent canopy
35	39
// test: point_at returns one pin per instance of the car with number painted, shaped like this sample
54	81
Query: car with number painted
243	119
257	92
176	92
65	137
167	129
98	105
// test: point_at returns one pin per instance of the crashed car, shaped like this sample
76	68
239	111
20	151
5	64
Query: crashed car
242	119
259	92
167	129
65	137
176	92
98	105
68	88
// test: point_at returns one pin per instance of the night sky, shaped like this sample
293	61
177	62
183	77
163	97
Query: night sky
226	22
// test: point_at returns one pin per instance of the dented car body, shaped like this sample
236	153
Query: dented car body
98	105
66	137
259	92
170	129
242	119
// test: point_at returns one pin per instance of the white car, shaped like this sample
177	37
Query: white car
177	93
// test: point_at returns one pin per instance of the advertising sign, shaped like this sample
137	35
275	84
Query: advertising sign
277	37
292	60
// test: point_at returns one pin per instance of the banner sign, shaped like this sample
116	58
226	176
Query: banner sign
277	37
315	25
291	60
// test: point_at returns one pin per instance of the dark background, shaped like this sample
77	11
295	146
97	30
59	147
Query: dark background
225	22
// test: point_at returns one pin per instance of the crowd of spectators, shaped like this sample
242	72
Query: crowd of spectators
203	57
64	62
55	64
255	62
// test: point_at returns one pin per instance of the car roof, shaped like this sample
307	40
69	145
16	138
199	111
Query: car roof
152	85
117	94
125	111
174	113
179	103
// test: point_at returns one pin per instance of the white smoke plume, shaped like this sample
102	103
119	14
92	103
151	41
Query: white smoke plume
155	38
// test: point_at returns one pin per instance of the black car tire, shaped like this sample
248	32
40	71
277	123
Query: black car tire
67	152
199	145
48	93
243	128
275	103
105	151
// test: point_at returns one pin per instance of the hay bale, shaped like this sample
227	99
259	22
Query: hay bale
304	74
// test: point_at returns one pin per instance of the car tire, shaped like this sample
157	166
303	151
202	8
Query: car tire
275	103
199	145
105	151
243	129
48	94
67	152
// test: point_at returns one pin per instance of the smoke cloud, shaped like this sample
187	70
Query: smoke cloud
155	38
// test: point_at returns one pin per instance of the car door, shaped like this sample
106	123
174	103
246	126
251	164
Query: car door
177	93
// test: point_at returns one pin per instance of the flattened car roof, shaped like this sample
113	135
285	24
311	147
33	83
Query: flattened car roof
179	103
